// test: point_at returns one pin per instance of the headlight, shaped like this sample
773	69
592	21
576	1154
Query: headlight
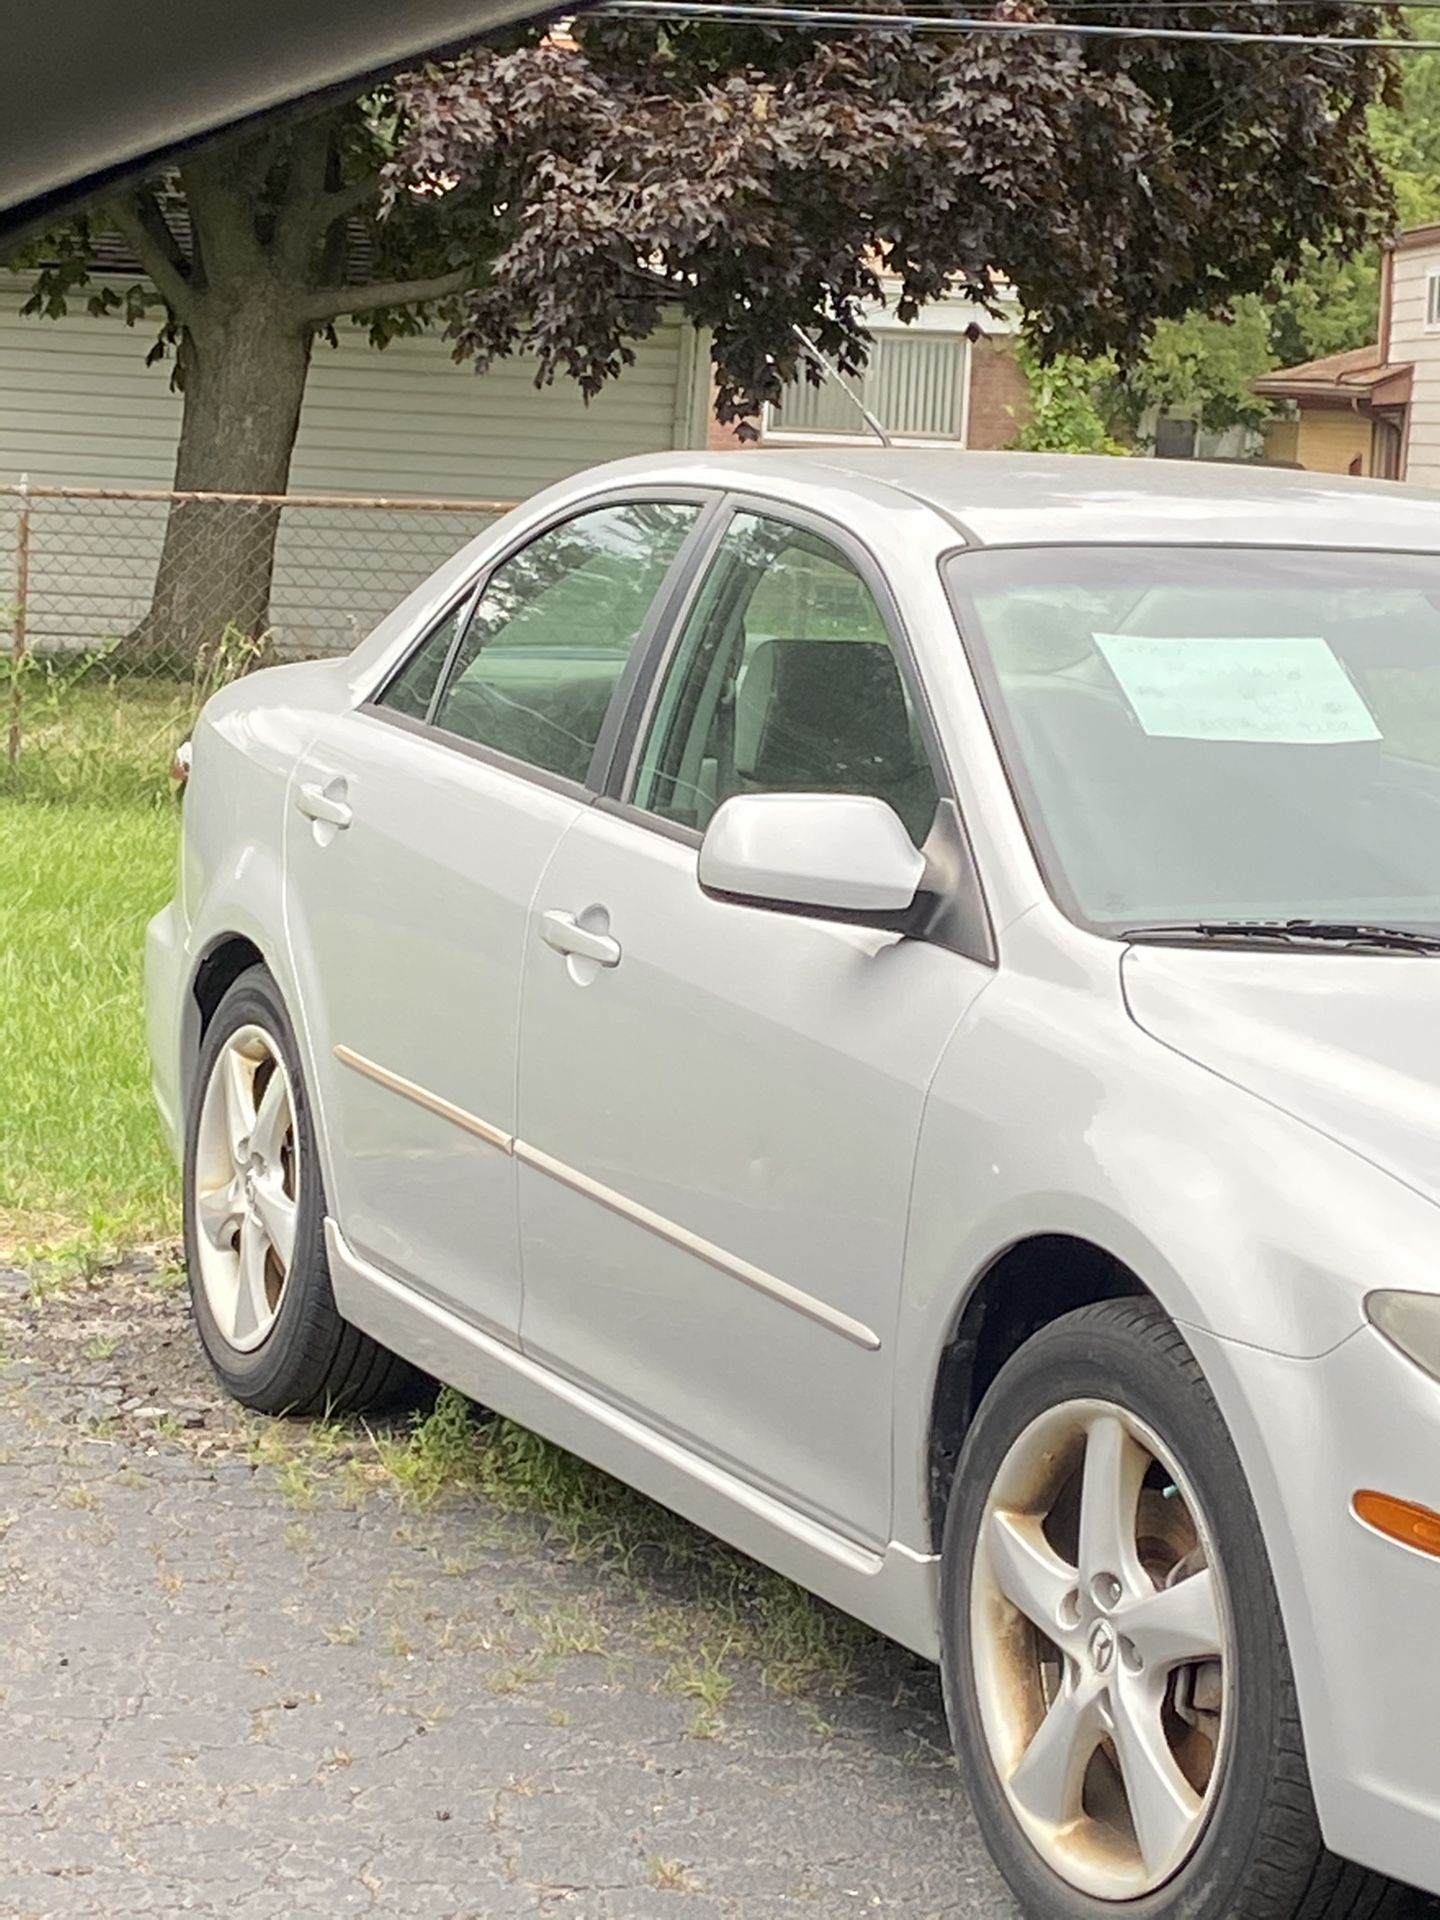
1412	1321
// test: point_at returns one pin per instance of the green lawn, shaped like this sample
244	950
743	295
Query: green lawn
88	738
87	851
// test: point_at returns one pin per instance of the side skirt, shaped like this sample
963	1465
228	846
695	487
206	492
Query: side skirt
895	1591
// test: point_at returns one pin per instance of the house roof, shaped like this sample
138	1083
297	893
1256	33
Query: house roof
1413	237
1357	374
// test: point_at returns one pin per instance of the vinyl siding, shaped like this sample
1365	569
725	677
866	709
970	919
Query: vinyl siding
79	407
1410	340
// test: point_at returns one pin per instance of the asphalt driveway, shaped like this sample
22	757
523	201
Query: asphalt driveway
243	1674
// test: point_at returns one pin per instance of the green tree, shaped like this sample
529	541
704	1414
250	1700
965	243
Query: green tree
1322	301
254	251
1333	303
1065	404
1200	368
557	198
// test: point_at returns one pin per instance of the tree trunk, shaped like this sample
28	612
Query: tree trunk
244	360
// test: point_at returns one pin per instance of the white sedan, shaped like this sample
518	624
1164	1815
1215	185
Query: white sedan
890	999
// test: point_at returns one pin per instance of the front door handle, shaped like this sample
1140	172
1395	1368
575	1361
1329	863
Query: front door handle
564	933
325	804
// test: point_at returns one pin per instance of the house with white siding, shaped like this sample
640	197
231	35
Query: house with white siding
1374	409
80	408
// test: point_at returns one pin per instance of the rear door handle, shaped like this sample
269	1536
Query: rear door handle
564	933
325	803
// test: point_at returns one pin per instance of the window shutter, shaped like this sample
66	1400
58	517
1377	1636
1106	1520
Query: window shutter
914	385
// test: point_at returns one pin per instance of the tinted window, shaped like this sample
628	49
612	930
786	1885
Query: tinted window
413	687
553	629
784	679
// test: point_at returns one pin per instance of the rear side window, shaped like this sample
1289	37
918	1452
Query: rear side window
550	635
413	687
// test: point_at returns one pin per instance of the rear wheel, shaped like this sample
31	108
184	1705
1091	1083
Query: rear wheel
1115	1667
255	1223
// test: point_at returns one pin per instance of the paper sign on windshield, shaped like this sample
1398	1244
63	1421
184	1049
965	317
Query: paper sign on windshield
1284	691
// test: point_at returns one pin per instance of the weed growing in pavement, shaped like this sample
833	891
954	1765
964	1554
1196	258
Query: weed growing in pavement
702	1677
518	1675
270	1443
331	1436
728	1605
67	1267
170	1581
296	1483
669	1874
568	1631
440	1452
822	1728
694	1592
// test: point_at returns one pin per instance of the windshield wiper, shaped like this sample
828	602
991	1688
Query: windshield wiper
1288	933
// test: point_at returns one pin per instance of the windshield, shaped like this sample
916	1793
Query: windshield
1206	734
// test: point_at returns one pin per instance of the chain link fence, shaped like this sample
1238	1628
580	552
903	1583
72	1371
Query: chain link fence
125	609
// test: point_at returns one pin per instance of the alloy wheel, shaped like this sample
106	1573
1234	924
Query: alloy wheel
1099	1628
246	1186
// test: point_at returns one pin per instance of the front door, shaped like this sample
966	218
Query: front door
719	1105
417	831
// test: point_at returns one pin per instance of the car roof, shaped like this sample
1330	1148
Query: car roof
1026	499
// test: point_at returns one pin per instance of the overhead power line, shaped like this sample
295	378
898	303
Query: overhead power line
841	20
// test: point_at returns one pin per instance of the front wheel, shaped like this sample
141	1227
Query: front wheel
1115	1666
255	1223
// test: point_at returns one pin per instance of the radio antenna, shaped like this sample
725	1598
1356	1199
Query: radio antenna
828	367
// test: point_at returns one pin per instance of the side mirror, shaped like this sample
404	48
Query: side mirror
831	856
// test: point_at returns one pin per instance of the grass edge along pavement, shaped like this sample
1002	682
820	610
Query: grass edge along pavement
88	840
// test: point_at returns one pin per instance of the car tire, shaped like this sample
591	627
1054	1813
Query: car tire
1228	1817
254	1211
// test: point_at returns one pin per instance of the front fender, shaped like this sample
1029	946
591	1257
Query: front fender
1237	1218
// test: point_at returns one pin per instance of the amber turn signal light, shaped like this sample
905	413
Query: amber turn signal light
1403	1520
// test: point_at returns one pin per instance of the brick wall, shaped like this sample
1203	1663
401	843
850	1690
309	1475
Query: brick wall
999	396
717	438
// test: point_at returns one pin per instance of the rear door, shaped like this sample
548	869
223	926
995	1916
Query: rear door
418	830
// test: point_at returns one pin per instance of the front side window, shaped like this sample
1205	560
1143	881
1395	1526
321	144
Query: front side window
1205	734
783	679
551	633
